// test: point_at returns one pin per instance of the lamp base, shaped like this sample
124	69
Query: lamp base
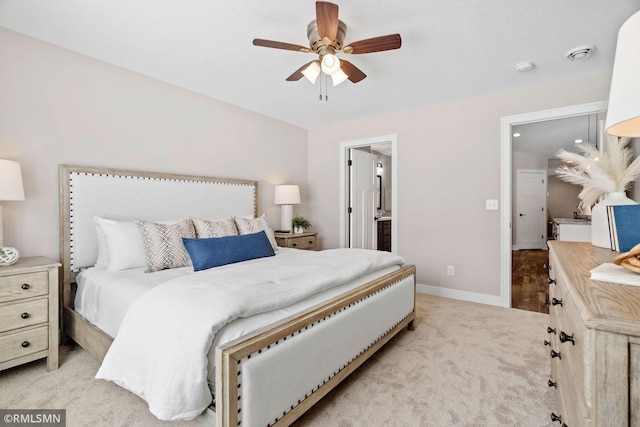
286	218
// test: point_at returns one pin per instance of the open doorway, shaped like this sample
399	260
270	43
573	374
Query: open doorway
508	124
385	180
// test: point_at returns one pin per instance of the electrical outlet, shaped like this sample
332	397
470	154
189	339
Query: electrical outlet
491	204
449	270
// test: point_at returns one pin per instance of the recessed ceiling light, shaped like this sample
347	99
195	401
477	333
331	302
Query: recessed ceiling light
578	141
515	135
525	66
580	52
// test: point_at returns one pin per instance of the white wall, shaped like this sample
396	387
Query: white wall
448	165
57	107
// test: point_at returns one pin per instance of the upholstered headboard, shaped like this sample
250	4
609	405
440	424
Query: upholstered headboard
86	192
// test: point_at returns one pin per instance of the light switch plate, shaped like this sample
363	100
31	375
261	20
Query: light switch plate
492	204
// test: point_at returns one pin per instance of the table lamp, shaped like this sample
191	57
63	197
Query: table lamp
287	196
10	189
623	115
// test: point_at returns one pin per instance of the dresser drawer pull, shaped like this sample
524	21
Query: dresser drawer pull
556	302
311	242
294	244
546	267
564	338
25	315
555	418
551	330
25	344
546	301
551	281
25	286
555	354
552	383
547	343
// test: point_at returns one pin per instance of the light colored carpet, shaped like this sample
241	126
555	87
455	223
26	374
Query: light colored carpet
465	364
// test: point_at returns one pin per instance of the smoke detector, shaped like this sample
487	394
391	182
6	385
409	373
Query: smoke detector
523	67
580	52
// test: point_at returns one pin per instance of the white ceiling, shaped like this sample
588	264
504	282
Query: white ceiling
452	49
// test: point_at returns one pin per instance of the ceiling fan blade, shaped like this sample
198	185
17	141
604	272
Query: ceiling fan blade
280	45
297	74
353	72
375	44
327	19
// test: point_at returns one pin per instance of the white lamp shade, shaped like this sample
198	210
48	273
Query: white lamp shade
10	181
287	195
338	77
623	115
312	72
330	64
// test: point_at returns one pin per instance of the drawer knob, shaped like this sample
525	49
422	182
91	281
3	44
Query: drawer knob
294	244
551	330
555	354
25	286
546	301
25	315
556	302
555	418
547	343
546	266
25	344
552	383
551	281
564	338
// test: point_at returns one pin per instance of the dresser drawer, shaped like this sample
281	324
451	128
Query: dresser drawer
21	314
573	370
23	343
307	242
21	286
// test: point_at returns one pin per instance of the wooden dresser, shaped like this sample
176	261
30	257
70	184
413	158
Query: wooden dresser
594	340
29	315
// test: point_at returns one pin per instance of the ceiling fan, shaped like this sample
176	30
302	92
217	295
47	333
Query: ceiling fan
326	38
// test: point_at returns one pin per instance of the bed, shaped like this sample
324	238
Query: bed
270	364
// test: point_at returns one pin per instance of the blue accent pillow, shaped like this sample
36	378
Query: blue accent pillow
216	251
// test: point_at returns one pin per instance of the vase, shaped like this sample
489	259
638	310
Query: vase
599	221
298	230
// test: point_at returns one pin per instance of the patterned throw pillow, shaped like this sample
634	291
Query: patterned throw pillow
253	225
218	228
163	245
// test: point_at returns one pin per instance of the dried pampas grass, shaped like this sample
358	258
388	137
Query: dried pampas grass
599	173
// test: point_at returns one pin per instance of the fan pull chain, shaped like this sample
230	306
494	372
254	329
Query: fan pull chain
326	87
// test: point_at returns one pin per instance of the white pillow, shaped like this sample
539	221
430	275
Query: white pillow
125	248
103	254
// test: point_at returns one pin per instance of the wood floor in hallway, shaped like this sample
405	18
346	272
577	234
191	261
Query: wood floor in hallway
529	286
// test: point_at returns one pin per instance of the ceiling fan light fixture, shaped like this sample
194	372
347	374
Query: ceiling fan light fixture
330	64
338	77
312	72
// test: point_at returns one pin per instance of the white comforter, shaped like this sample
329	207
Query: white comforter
160	352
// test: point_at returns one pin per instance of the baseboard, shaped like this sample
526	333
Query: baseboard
460	295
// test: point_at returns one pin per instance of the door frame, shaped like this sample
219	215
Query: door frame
506	178
345	146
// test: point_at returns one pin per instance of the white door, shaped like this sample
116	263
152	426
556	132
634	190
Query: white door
363	192
531	209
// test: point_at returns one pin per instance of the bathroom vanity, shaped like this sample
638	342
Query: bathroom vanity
572	230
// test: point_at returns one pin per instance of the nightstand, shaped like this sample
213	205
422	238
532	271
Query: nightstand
29	312
306	241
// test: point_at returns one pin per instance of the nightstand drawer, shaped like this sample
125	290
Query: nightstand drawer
307	242
20	286
23	343
21	314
